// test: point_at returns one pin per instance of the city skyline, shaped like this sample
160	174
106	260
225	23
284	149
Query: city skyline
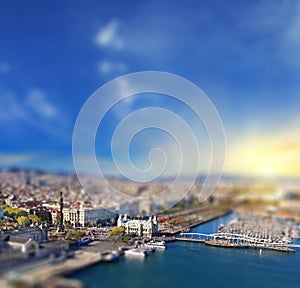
53	56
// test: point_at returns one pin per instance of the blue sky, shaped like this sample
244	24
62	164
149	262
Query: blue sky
244	56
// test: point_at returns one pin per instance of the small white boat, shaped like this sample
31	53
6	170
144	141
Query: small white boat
157	245
260	251
135	253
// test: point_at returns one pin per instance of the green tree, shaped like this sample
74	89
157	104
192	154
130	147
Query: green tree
23	221
117	231
20	212
34	218
74	235
14	212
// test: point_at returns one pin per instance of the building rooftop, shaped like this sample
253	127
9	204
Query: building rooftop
16	239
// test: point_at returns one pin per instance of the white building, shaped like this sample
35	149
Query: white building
142	228
84	216
25	245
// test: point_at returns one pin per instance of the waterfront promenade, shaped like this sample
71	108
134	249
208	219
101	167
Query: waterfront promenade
46	270
201	219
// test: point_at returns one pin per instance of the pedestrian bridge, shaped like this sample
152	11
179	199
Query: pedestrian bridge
231	237
191	235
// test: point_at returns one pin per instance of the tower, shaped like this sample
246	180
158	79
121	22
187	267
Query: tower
61	207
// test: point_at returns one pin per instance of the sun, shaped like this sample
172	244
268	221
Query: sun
268	171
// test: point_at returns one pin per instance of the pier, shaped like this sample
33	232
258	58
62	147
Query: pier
233	240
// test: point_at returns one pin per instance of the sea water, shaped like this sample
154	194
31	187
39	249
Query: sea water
186	265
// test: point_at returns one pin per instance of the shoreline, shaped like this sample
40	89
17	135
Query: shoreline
88	257
94	254
193	223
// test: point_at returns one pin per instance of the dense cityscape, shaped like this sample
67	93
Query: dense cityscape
41	224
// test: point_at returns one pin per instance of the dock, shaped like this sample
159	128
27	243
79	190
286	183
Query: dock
197	222
48	271
230	244
225	244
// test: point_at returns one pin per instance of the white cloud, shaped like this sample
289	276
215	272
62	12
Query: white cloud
11	108
13	159
34	110
37	102
109	67
108	35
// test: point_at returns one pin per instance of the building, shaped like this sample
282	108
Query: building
39	234
84	216
1	212
142	228
55	215
26	246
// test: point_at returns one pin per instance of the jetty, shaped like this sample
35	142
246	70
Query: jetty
234	241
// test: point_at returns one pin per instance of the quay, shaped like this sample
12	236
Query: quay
218	243
230	244
53	271
197	222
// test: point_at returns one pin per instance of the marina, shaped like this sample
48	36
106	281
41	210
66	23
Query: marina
250	231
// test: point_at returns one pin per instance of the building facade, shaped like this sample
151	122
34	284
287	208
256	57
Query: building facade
27	246
142	228
39	234
84	216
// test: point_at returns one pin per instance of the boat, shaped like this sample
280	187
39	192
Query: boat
136	253
161	245
110	256
260	251
147	248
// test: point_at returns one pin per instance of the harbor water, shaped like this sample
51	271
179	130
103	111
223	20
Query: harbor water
186	264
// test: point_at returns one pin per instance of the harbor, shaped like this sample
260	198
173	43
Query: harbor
233	231
250	231
199	263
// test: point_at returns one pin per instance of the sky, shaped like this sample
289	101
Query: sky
244	55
